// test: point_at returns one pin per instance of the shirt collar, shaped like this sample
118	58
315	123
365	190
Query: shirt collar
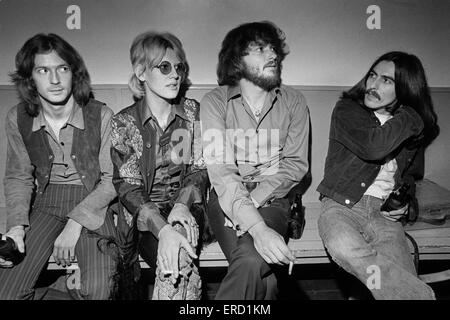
75	119
235	92
176	110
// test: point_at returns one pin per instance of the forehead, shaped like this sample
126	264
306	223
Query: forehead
385	68
48	59
170	56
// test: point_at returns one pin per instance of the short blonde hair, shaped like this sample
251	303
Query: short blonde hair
148	49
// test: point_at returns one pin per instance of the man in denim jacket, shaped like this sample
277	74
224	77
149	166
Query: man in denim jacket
379	130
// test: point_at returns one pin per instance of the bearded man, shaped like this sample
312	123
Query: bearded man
255	143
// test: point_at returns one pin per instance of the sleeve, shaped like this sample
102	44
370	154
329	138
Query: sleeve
18	181
293	164
352	127
126	150
195	182
91	212
223	173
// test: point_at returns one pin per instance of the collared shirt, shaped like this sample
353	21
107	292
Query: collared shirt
238	148
132	150
19	180
164	185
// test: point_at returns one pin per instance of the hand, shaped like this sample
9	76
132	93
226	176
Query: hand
395	215
64	246
270	245
181	214
170	243
16	233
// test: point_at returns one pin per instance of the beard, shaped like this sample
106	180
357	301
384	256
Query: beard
265	82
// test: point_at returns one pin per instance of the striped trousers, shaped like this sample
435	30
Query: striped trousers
47	220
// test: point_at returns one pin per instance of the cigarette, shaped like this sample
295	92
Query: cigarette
291	264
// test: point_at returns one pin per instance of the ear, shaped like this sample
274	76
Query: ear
139	72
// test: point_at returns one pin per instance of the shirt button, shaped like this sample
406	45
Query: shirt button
148	145
73	156
46	177
50	157
363	184
83	177
347	201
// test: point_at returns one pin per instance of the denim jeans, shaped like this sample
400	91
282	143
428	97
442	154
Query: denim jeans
372	248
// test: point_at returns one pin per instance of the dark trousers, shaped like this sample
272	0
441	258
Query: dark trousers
249	277
47	220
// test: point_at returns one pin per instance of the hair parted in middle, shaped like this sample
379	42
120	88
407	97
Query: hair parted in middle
411	89
147	50
235	46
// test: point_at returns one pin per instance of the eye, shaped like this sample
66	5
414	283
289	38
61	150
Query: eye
372	75
388	81
64	69
42	70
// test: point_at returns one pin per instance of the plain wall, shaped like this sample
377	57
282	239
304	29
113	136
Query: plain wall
331	48
329	40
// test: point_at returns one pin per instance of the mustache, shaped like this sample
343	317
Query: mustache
374	93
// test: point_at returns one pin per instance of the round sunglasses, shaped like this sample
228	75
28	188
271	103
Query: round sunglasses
166	68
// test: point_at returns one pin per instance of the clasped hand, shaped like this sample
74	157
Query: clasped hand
171	241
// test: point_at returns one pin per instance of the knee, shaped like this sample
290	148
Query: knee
97	289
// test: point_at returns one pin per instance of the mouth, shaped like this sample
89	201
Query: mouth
56	90
373	93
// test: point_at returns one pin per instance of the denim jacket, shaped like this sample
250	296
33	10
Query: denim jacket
359	145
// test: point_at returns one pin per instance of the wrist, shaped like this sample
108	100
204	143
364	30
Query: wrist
163	229
256	227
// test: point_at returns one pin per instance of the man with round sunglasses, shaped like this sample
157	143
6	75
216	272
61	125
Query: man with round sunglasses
255	137
159	173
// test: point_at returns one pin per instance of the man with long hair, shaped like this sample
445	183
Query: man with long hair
255	143
58	171
379	130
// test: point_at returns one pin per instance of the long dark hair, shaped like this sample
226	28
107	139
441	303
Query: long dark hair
411	89
41	44
235	46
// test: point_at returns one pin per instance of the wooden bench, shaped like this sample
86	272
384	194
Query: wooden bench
433	242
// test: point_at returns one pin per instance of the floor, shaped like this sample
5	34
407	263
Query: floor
312	282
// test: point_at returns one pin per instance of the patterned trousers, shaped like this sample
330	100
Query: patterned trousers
47	220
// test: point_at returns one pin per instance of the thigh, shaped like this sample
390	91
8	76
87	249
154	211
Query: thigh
390	241
19	281
226	236
97	259
342	232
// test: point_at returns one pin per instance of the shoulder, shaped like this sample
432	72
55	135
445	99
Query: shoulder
125	116
294	98
218	94
191	109
215	101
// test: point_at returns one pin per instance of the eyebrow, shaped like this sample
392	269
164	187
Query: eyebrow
384	76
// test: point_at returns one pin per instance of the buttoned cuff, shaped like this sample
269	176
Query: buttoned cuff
246	216
150	219
189	195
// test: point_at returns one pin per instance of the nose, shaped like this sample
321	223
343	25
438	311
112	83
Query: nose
54	77
373	83
271	55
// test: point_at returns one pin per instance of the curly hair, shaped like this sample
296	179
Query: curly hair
148	49
41	44
411	89
235	46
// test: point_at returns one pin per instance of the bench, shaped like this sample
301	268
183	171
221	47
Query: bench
433	240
